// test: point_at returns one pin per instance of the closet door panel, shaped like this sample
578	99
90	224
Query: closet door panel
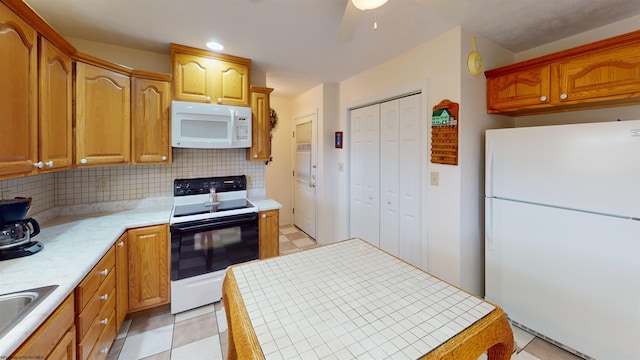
389	170
410	164
365	174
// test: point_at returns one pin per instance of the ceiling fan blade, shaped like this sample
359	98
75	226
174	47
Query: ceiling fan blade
349	23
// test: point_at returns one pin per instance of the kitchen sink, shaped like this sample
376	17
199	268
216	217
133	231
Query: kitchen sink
16	305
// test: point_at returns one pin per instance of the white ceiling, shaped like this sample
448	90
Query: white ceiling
295	42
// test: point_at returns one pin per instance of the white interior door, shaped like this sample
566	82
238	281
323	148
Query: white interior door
385	162
410	160
389	134
364	146
304	193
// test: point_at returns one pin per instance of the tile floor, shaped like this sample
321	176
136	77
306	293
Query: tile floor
202	333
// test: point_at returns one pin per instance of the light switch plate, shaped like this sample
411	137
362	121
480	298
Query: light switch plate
435	178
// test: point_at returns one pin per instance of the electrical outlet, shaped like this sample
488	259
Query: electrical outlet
103	184
6	194
435	178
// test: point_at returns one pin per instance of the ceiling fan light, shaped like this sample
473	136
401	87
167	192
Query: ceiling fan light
368	4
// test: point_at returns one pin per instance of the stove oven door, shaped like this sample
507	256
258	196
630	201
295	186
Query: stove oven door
210	245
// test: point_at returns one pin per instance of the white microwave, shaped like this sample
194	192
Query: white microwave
210	126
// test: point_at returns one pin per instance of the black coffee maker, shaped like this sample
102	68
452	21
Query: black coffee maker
17	232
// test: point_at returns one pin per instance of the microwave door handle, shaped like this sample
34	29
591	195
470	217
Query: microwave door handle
233	127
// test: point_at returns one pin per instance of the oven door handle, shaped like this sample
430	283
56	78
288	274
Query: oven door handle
214	225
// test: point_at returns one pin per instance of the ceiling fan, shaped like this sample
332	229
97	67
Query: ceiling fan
352	13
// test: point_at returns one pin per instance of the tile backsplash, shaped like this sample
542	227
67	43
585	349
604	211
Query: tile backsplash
131	182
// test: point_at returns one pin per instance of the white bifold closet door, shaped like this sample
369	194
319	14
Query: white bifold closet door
385	176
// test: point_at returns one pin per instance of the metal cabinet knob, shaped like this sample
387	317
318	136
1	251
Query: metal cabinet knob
264	216
208	98
104	297
38	164
255	155
164	158
564	96
104	321
83	161
104	272
543	98
121	244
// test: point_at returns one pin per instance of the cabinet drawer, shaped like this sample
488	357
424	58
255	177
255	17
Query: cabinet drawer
104	319
88	286
101	350
99	300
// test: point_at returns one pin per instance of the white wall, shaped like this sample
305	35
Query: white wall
278	172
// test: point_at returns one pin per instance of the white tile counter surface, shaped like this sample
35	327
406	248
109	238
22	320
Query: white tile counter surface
350	300
72	247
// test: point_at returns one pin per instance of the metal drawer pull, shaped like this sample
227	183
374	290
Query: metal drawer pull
104	272
104	321
121	244
104	351
104	297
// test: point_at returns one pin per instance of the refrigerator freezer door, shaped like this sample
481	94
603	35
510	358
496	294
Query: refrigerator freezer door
572	276
592	167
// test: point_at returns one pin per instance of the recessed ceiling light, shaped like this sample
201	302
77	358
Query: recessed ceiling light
215	46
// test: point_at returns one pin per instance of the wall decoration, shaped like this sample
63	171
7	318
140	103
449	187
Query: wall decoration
338	139
444	133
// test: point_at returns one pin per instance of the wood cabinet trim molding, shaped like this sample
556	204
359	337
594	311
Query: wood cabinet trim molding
92	60
176	48
29	15
150	75
610	43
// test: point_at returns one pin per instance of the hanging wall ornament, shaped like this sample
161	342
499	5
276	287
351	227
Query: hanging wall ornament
273	119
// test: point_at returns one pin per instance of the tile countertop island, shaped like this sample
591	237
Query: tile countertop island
351	300
73	244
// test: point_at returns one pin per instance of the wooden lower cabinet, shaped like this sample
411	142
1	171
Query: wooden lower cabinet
54	339
269	233
149	266
95	309
122	279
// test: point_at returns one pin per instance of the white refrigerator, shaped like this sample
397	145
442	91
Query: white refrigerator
562	233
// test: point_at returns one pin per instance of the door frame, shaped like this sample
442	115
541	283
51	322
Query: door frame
314	164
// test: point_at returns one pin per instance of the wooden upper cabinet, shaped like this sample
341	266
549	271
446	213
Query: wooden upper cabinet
260	149
527	88
203	76
601	74
55	78
232	83
150	130
18	95
103	111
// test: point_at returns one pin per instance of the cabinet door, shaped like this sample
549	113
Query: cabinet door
55	107
518	90
66	348
102	116
605	75
260	149
122	279
193	78
231	84
148	267
150	130
18	95
269	234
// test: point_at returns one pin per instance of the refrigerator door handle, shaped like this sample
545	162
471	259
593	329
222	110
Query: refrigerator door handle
489	225
488	188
